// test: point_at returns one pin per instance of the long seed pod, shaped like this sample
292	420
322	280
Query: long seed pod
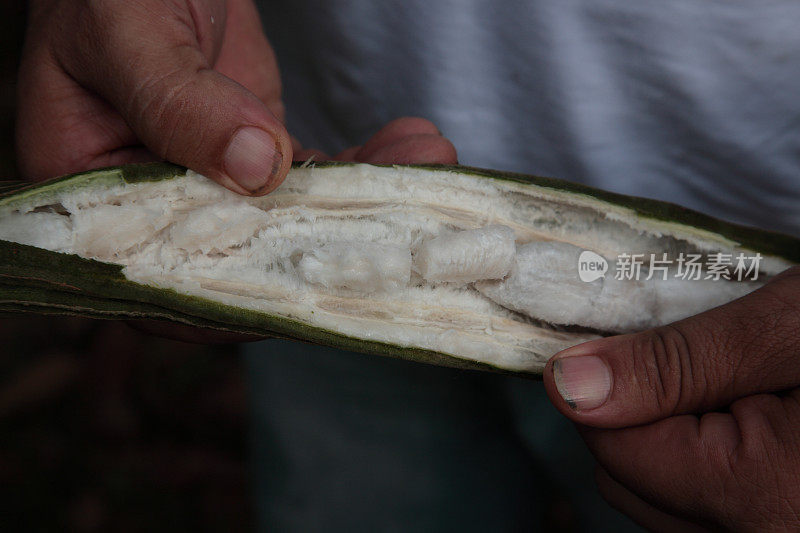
450	265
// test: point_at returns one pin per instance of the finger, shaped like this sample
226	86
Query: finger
296	145
247	57
414	149
394	131
61	129
146	60
310	154
638	510
730	468
348	154
695	365
672	463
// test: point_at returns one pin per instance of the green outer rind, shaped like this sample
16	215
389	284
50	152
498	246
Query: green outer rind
104	177
94	289
100	290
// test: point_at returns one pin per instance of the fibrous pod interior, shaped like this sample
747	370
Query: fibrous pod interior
468	255
440	260
360	266
543	284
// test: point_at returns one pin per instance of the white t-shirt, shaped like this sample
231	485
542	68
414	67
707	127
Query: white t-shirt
692	101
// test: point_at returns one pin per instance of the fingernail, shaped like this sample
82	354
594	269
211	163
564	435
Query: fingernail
252	158
584	381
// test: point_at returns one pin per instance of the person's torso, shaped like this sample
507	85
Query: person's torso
692	101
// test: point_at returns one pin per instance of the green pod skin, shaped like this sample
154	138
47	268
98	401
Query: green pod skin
35	280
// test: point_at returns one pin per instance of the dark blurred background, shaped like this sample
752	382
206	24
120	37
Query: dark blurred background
103	428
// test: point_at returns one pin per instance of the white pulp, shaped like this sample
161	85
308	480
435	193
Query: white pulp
544	283
467	256
436	260
364	267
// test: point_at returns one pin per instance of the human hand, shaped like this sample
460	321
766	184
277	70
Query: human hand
403	141
194	82
191	81
697	422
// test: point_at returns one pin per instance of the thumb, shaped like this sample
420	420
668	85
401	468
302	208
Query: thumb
702	363
148	60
